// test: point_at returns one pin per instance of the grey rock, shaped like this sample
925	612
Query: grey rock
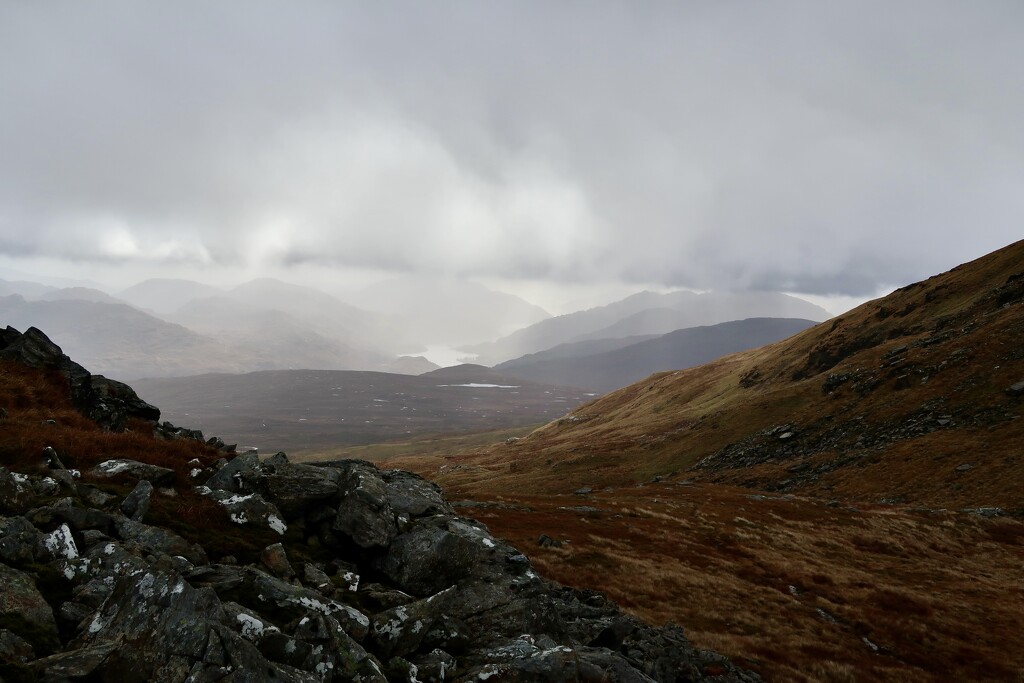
364	514
25	612
16	492
93	497
297	488
412	495
21	543
1016	389
277	598
159	541
136	504
275	559
133	470
236	474
72	665
14	648
251	509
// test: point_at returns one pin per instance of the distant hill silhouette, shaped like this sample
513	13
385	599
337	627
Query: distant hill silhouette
616	368
607	321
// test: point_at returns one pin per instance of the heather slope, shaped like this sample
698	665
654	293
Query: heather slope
903	398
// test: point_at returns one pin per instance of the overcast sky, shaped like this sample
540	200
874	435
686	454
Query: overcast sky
828	148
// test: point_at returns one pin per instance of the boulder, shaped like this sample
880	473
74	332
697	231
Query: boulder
25	612
364	513
250	508
136	504
296	489
134	470
241	468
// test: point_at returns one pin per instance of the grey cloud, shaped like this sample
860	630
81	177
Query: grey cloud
821	147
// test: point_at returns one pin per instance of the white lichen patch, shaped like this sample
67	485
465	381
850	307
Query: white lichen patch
114	466
236	499
352	579
277	524
239	518
251	627
61	543
488	542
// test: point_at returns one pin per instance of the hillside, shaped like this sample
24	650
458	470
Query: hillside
136	552
883	402
602	322
613	369
876	531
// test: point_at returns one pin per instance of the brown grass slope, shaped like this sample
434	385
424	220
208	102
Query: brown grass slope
892	400
870	432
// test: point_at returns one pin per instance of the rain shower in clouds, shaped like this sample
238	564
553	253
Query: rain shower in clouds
825	148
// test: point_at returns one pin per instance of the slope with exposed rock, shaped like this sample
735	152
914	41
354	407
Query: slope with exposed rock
156	559
877	531
911	397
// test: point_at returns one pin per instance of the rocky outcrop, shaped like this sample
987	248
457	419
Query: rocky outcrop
110	403
399	588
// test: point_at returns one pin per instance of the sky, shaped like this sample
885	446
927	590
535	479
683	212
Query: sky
557	150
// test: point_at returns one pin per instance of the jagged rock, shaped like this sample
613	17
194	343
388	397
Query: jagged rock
159	541
21	543
275	559
243	467
65	511
136	504
16	493
60	543
545	541
14	648
109	403
79	664
438	552
221	577
52	459
93	497
412	495
250	508
134	470
364	514
434	667
274	596
296	488
24	611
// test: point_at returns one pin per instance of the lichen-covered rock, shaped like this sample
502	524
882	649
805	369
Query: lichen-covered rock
159	541
364	513
16	492
411	495
134	470
295	489
236	474
251	509
136	504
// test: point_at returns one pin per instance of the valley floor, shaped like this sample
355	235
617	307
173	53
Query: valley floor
796	588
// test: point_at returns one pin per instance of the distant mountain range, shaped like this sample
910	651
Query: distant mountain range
176	327
642	314
602	366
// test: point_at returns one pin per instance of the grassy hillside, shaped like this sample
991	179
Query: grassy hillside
903	398
878	529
